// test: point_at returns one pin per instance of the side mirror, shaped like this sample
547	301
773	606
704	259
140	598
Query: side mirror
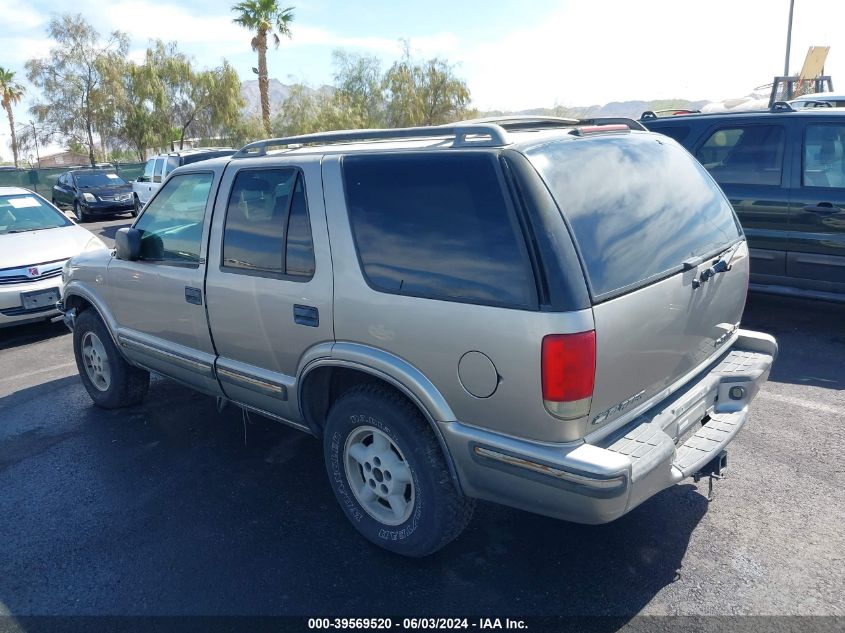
127	244
141	179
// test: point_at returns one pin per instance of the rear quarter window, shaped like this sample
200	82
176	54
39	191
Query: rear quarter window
638	206
438	227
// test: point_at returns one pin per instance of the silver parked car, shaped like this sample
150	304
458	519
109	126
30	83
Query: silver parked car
36	240
539	313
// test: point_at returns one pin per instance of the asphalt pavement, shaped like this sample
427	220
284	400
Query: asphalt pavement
171	508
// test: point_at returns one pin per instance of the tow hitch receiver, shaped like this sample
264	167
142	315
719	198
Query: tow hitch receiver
714	469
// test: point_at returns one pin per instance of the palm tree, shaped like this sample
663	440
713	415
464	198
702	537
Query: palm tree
266	19
11	93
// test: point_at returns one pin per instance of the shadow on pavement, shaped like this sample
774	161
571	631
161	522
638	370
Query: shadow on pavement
111	230
18	335
810	335
172	508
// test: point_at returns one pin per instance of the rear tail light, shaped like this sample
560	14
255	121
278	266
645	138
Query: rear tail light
568	373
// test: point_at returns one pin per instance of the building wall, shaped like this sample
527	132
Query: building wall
63	159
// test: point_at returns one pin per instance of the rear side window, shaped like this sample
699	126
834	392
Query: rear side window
747	155
437	227
267	229
638	205
824	156
679	132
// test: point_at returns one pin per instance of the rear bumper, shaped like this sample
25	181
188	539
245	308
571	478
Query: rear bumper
597	483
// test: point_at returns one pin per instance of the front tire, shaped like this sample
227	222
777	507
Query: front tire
137	207
389	474
109	380
80	213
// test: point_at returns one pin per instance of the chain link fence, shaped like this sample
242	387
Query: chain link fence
42	180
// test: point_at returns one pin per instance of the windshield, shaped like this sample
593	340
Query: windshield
86	181
22	212
639	206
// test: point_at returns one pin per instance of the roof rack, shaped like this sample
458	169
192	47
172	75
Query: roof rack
781	106
522	122
614	120
465	135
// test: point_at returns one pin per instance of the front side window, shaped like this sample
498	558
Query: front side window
824	156
437	227
267	229
746	155
148	170
159	168
171	225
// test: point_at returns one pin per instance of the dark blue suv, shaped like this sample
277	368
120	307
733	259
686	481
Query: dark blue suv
784	173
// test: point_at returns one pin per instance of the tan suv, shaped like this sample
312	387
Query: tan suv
535	312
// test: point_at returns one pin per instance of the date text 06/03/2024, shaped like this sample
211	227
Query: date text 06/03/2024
416	623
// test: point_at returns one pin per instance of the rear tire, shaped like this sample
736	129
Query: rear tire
111	382
389	474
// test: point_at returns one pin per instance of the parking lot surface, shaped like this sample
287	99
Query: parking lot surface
173	508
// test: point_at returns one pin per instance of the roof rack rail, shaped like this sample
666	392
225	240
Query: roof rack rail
523	122
781	106
465	135
614	120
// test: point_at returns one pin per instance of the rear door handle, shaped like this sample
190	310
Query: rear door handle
193	295
306	315
823	208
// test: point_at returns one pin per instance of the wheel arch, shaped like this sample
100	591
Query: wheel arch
325	379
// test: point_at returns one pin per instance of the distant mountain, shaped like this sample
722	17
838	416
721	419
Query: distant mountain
632	109
278	93
629	109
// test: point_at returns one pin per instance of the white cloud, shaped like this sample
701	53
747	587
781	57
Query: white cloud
582	56
22	17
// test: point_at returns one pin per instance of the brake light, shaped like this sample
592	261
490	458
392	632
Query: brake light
568	373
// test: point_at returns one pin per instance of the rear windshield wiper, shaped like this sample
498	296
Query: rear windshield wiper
721	265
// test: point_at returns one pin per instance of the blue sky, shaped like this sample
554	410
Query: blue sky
513	55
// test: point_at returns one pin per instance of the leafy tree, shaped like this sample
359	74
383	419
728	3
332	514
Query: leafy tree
11	93
141	102
75	81
186	100
426	93
267	20
359	91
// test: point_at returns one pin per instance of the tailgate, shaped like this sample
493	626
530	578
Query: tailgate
647	220
648	339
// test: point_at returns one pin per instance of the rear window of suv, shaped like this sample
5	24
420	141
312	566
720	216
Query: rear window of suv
438	226
638	206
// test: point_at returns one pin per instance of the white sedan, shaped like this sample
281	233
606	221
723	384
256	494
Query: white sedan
36	240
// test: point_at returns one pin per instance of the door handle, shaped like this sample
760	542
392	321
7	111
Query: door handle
306	315
822	208
193	295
